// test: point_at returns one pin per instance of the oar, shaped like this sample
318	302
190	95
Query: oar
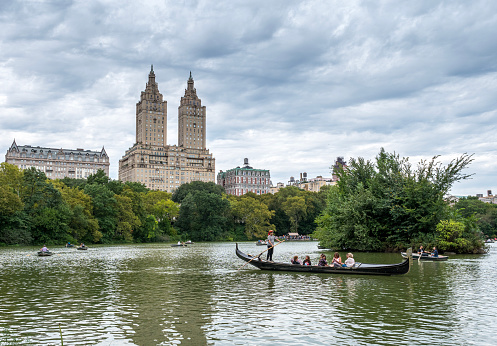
259	255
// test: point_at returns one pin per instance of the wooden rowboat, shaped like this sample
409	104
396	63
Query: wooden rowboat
426	257
45	253
82	248
358	268
178	245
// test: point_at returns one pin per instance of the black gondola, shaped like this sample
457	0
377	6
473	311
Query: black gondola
358	268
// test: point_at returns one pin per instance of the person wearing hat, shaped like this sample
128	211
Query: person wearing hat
270	244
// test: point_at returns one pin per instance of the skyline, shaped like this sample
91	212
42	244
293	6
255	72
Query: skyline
290	85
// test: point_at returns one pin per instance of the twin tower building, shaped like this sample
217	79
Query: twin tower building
154	163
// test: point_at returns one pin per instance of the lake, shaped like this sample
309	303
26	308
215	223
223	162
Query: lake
155	294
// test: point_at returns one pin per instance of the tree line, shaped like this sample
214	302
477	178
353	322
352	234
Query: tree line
35	210
384	204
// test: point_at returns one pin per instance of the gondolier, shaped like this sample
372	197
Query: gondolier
270	244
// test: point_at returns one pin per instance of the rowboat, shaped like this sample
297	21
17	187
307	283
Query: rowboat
426	257
82	248
178	245
358	268
259	242
45	253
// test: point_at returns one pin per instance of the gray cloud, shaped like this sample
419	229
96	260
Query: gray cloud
289	84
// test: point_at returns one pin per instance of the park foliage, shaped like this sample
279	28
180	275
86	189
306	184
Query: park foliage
376	206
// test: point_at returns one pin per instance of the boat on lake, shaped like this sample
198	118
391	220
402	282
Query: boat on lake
45	253
260	242
82	248
178	245
188	242
425	257
358	268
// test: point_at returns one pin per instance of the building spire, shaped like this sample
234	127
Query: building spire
151	76
190	76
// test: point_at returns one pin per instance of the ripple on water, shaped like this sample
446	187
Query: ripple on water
147	295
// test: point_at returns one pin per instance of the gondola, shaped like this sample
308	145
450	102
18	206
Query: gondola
358	268
45	253
426	257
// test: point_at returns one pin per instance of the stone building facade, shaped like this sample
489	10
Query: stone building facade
238	181
58	163
150	160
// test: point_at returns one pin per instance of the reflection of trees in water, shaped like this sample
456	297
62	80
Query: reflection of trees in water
170	299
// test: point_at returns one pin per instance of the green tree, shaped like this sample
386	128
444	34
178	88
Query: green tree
296	208
184	189
104	210
82	225
388	204
253	214
203	216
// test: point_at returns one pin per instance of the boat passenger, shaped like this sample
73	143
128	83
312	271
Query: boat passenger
434	253
349	262
179	243
337	261
295	260
421	250
44	249
322	261
68	244
307	261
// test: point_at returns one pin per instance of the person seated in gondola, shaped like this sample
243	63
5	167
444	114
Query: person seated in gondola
307	261
337	261
349	262
44	249
322	261
434	253
295	260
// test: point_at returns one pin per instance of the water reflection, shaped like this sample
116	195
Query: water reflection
159	295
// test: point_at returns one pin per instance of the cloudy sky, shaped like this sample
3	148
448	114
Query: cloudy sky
290	85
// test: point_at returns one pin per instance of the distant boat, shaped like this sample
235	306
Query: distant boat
45	253
189	242
69	245
178	245
260	242
426	257
82	248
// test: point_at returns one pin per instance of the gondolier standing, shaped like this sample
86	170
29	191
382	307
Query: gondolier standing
270	245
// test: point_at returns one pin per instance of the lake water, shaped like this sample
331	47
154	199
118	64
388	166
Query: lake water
163	295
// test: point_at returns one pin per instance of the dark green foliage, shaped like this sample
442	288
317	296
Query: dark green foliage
194	186
386	204
485	214
203	216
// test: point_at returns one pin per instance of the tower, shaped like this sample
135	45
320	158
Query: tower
154	163
191	119
151	115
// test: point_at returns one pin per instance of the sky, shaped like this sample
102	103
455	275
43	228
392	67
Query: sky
290	85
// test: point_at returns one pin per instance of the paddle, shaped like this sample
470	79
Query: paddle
259	255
